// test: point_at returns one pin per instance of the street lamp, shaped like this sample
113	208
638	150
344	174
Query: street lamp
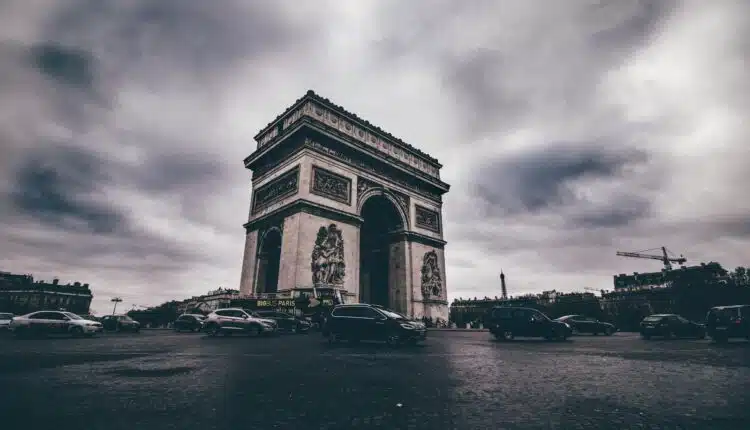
115	300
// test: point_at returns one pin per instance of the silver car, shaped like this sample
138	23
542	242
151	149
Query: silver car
237	320
44	323
5	320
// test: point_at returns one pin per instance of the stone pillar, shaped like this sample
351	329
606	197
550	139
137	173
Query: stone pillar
247	278
397	277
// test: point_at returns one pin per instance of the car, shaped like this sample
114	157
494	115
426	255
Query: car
583	324
671	326
355	322
189	322
727	322
508	322
5	319
286	322
53	322
237	320
120	323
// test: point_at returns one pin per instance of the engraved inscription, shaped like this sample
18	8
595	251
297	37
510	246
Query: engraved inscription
281	187
330	185
427	219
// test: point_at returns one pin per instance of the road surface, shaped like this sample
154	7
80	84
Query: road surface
463	380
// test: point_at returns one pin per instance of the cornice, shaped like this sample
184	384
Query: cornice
268	134
306	206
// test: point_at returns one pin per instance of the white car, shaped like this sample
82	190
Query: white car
43	323
5	319
237	320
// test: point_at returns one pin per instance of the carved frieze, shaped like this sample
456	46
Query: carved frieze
331	185
284	186
427	219
327	260
432	281
375	169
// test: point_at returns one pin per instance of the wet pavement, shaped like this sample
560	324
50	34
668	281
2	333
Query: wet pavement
457	380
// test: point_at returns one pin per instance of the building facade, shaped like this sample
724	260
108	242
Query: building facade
20	294
338	202
216	299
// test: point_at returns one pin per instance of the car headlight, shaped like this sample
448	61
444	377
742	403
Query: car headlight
407	326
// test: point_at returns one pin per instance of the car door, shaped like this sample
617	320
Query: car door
40	323
372	324
538	324
684	328
338	322
58	323
521	323
285	321
586	324
577	323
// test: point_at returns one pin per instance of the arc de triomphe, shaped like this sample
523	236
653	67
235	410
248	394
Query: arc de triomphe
337	201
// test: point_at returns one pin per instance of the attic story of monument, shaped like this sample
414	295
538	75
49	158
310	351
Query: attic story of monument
338	202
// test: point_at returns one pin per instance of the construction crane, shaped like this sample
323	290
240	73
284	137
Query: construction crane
665	258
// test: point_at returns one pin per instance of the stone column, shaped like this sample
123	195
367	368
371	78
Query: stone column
397	276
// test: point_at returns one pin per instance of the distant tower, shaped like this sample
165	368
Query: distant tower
502	283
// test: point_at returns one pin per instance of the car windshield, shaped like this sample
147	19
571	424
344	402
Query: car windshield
653	318
252	313
6	316
126	318
566	317
392	315
72	316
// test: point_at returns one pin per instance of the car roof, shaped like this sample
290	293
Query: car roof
662	315
730	307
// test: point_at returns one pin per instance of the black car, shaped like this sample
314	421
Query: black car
583	324
371	322
726	322
671	326
507	323
286	322
120	323
189	322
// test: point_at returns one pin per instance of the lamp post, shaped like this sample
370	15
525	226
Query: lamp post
115	300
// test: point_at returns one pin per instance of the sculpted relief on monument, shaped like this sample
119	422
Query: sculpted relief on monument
427	219
432	282
331	185
327	260
279	188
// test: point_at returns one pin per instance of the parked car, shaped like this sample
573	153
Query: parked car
671	326
727	322
189	322
43	323
237	320
120	323
286	322
584	324
5	320
357	322
506	323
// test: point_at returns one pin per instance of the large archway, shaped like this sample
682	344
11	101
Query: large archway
269	261
380	219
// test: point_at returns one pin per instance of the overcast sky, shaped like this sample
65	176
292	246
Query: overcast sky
568	131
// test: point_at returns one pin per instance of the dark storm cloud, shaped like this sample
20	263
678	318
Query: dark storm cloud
55	186
619	212
542	179
68	66
174	38
170	172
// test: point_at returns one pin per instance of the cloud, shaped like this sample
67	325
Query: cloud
567	131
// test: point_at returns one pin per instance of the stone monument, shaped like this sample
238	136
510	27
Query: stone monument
338	202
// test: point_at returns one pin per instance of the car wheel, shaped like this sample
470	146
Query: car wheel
507	335
333	339
608	331
669	335
393	340
77	331
701	335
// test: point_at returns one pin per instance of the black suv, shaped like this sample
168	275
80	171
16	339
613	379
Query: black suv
726	322
371	322
670	326
286	322
506	323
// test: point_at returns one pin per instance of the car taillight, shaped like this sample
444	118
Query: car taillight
738	321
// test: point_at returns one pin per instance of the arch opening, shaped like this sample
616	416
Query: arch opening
269	262
380	219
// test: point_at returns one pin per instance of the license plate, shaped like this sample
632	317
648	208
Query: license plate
721	328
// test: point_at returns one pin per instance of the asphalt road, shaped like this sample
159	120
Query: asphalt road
457	380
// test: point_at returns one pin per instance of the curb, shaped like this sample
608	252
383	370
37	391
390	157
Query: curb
457	329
